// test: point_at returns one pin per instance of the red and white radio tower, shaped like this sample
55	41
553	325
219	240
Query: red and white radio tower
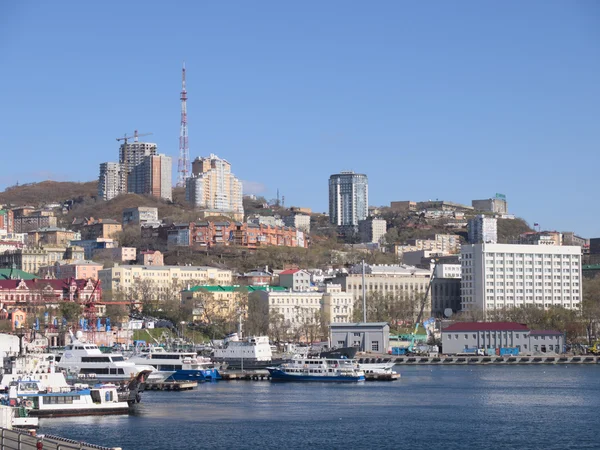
184	169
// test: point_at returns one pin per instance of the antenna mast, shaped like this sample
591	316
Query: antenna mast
183	170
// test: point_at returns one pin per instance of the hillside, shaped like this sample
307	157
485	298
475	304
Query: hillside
36	194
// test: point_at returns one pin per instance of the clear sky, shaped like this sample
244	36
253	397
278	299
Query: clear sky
432	100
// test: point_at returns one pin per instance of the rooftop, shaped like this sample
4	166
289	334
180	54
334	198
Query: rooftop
7	274
250	289
486	326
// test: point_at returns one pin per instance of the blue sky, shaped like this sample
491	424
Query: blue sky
446	100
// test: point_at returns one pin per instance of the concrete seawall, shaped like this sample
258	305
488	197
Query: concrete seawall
483	360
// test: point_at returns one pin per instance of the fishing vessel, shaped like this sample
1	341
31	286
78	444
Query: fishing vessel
177	366
253	352
318	369
85	360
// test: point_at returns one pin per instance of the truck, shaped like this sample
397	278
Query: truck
594	349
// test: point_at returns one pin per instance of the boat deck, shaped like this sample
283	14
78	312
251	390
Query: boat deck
171	385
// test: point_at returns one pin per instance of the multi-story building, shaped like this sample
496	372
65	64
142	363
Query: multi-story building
298	221
91	245
495	205
212	302
338	306
213	187
348	198
372	230
401	282
30	259
295	279
102	228
445	289
152	176
30	295
273	221
6	221
497	276
403	206
33	221
51	236
540	238
151	258
161	277
570	238
441	205
256	278
132	154
438	243
483	230
140	215
110	180
208	233
122	254
77	269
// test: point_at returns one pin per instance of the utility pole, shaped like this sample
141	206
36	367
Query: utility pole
364	293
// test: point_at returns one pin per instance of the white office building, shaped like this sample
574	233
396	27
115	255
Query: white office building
497	276
109	181
483	230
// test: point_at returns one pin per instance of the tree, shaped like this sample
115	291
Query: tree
70	311
117	313
590	308
258	315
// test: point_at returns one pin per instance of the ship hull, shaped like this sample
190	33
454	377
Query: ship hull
279	375
248	364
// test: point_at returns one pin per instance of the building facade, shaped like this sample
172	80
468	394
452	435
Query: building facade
372	230
498	276
151	258
83	270
348	198
298	221
465	336
101	229
338	306
161	277
152	176
140	215
6	221
51	236
31	259
34	221
372	337
110	180
295	279
213	187
540	238
495	205
483	230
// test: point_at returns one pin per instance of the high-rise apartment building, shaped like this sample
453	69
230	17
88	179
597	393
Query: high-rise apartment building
348	198
153	176
483	230
214	188
109	181
498	276
133	153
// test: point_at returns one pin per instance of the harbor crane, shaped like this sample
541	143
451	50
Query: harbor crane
413	335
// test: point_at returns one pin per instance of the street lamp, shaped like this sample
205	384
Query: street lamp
182	324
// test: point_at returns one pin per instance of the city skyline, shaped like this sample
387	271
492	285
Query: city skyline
447	93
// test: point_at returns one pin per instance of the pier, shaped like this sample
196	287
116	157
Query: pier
171	386
485	360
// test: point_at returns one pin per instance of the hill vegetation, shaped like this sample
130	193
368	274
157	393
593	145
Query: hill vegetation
37	194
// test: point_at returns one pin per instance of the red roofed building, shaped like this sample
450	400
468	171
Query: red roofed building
29	295
469	337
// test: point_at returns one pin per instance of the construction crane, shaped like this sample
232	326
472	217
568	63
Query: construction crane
413	335
134	137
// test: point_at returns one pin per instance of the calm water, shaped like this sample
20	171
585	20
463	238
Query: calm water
551	407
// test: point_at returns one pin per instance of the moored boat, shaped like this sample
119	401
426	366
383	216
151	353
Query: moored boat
177	366
317	369
251	353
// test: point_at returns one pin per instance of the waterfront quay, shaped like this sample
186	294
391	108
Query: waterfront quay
503	360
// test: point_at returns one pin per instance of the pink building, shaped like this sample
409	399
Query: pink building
79	270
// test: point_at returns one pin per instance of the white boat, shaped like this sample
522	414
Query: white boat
253	352
317	369
40	401
177	366
17	417
377	367
85	360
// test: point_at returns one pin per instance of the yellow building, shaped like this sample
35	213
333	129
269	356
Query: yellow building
161	278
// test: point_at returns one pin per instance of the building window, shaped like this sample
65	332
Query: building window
375	346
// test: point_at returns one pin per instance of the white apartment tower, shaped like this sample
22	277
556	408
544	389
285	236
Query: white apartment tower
348	198
483	230
109	181
213	187
497	276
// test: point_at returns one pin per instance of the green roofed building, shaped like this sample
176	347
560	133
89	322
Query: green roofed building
16	274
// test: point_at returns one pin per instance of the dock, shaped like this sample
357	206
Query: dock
247	375
171	386
504	360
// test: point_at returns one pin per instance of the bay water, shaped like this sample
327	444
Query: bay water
450	407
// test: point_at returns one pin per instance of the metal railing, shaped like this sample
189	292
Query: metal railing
20	440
